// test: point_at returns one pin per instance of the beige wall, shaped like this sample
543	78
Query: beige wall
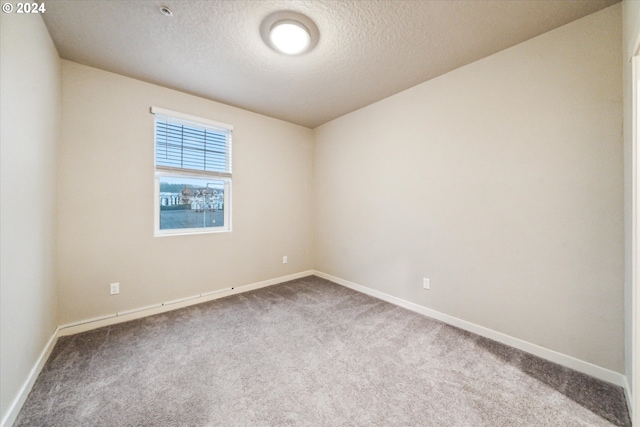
631	17
500	181
631	41
106	200
30	113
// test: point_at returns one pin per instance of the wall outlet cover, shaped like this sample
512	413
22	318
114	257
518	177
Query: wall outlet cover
114	288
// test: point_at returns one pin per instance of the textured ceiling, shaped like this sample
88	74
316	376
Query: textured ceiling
368	50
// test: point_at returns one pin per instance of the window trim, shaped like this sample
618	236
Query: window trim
167	171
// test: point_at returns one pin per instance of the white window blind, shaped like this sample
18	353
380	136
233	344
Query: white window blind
195	145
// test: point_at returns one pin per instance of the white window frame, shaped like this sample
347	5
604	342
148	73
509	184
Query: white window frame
165	171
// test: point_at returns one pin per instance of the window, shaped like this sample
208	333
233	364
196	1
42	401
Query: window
192	174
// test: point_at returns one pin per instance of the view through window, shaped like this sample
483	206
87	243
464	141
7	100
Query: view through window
193	174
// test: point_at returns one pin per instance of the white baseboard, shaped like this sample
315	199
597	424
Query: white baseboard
137	313
628	396
544	353
125	316
16	405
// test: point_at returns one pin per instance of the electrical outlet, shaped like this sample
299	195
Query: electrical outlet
284	259
426	284
114	288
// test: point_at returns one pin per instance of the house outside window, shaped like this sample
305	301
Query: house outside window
192	174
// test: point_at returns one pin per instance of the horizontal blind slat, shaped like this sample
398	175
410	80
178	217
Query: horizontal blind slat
192	147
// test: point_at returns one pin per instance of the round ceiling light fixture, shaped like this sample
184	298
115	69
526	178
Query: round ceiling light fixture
290	37
289	32
166	11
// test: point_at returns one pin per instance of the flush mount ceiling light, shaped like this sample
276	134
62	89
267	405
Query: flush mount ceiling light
289	32
290	37
166	11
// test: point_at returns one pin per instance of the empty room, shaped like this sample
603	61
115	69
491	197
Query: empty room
319	213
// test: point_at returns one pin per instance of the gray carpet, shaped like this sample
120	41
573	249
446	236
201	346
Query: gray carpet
306	353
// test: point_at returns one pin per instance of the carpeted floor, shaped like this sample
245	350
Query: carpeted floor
306	353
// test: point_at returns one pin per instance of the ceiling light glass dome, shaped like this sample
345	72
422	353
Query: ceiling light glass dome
289	32
290	37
